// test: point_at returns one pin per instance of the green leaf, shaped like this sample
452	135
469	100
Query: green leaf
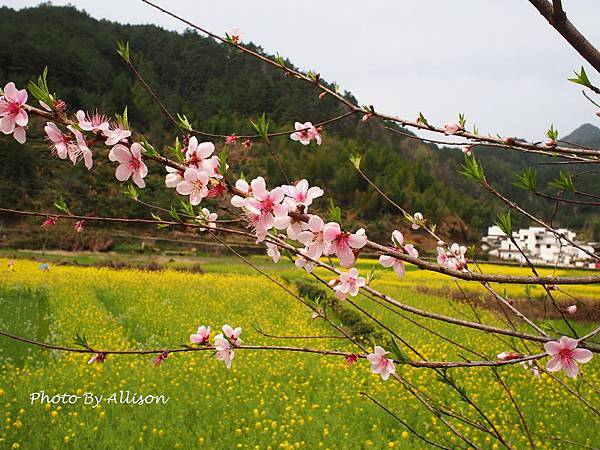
423	120
184	122
149	150
473	170
355	160
279	59
504	222
175	150
61	205
564	182
552	133
582	79
371	276
335	213
81	341
461	120
40	89
122	120
123	50
131	192
223	162
187	208
261	126
527	180
174	214
397	352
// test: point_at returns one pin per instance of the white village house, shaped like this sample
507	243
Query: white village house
540	245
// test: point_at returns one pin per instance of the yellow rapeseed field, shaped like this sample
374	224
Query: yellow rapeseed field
267	400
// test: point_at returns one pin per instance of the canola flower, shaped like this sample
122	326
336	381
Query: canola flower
291	390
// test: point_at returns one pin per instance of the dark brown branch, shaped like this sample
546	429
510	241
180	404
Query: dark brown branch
559	21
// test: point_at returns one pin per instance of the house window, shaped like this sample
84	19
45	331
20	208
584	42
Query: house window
547	245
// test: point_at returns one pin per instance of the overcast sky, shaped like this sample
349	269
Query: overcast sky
497	61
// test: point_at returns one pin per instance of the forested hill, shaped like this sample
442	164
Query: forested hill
220	90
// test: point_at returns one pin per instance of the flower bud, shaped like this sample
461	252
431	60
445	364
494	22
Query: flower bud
351	359
507	356
79	225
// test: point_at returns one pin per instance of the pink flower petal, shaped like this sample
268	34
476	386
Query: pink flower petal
554	364
581	355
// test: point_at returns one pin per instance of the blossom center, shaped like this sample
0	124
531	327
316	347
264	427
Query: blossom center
13	108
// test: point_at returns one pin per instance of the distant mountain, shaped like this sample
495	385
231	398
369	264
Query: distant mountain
220	90
587	135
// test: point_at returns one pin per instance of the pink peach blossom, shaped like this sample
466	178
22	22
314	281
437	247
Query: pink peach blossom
453	258
380	364
242	186
232	334
305	132
266	205
115	135
342	243
224	350
301	194
565	355
95	123
293	225
302	261
194	184
273	252
201	336
395	263
60	141
173	178
313	238
130	163
349	283
197	153
13	117
79	149
207	218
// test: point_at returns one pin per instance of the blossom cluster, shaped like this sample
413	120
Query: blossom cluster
223	343
452	258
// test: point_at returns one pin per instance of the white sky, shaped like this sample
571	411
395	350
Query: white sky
498	61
